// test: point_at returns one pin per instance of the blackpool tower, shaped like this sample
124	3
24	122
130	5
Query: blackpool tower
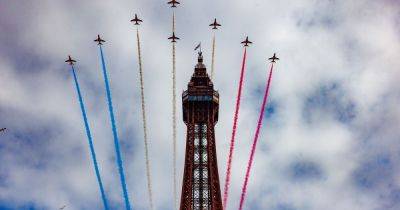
201	187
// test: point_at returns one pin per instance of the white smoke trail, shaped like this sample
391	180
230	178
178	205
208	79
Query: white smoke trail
174	114
146	144
213	57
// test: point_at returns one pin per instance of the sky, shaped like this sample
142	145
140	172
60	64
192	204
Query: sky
330	138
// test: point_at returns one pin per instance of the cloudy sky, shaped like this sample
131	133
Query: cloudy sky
330	138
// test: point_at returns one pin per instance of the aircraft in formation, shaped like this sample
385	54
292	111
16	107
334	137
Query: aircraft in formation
246	42
215	24
173	3
99	40
70	61
63	207
173	38
273	58
136	20
3	129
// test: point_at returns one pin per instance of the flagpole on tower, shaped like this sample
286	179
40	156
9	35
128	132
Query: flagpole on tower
198	47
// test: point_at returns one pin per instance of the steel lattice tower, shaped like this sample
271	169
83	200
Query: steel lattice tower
201	188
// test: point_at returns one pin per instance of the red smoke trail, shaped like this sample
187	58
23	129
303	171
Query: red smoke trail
232	145
253	149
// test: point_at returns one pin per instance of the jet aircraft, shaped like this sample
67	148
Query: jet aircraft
136	20
173	38
215	24
273	58
173	3
247	42
70	61
99	40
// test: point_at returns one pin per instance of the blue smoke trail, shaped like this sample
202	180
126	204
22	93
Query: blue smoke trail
114	130
89	136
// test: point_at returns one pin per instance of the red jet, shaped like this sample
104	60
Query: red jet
215	24
136	20
99	40
70	61
246	42
173	3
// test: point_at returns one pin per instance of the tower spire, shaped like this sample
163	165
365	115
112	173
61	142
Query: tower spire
200	57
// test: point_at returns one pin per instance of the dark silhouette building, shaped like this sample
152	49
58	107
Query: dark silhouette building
200	188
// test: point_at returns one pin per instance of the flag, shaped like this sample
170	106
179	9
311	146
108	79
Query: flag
198	46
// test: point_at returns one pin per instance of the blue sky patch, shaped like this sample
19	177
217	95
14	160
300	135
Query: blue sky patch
374	173
330	100
305	171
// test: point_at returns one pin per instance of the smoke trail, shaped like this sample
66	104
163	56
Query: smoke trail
253	148
174	113
235	119
115	134
173	21
89	136
146	147
213	57
174	121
